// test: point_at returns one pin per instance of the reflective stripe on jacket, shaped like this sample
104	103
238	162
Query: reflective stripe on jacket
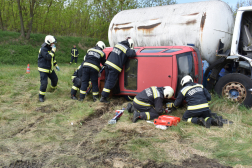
46	59
195	95
152	96
74	52
94	57
119	55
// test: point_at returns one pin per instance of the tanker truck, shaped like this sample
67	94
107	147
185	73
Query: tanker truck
206	28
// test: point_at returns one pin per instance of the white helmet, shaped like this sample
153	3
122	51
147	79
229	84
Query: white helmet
49	39
101	45
168	92
186	79
131	43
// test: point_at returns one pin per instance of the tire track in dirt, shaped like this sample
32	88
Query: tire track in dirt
84	148
27	128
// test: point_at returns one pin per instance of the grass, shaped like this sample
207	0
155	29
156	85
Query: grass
42	134
30	128
15	50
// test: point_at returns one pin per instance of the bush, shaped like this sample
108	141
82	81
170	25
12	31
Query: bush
15	50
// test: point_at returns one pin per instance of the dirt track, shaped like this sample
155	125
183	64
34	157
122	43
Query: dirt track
96	156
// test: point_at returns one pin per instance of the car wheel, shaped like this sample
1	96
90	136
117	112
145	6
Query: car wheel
235	87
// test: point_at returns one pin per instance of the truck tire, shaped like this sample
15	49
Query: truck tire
236	87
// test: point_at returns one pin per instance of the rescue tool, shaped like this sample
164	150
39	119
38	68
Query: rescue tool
167	120
118	114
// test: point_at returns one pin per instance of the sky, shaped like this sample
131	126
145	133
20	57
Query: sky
230	2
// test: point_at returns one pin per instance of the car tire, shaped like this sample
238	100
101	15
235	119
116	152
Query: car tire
236	87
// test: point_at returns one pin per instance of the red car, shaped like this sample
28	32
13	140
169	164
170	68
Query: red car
157	66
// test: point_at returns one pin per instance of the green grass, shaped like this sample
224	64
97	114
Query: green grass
34	131
15	50
25	121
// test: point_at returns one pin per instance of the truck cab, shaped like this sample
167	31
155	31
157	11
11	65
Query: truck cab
237	84
157	66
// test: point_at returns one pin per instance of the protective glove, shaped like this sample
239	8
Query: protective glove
54	48
57	67
170	105
167	110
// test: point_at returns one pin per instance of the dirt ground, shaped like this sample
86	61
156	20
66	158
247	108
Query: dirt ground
95	157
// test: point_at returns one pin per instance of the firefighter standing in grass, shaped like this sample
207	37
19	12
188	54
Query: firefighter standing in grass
148	104
74	54
46	62
197	98
91	68
114	65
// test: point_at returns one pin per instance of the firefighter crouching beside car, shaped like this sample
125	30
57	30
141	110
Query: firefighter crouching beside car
197	98
91	68
148	104
114	65
46	62
76	79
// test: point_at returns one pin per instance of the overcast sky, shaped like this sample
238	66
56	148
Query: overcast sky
230	2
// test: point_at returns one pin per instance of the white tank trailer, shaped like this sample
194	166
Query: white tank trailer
198	23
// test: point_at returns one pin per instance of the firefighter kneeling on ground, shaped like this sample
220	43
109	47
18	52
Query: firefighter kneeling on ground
76	79
46	62
148	104
197	98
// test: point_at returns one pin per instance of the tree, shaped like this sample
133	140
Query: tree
66	17
239	4
152	3
1	19
21	19
32	9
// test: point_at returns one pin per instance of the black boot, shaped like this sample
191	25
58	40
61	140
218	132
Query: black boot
217	122
51	89
95	98
207	123
136	116
81	100
104	100
41	99
130	108
74	97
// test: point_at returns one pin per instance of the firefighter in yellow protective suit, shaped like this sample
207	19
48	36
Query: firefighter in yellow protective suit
46	62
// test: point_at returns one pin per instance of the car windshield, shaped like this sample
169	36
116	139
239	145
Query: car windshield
130	74
185	67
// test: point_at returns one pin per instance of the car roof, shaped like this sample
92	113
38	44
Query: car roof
158	49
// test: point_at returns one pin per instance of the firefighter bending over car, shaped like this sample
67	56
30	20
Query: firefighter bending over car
148	104
114	65
91	68
197	98
46	62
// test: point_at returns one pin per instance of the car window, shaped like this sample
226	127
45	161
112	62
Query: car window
172	50
152	50
130	74
185	67
136	49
